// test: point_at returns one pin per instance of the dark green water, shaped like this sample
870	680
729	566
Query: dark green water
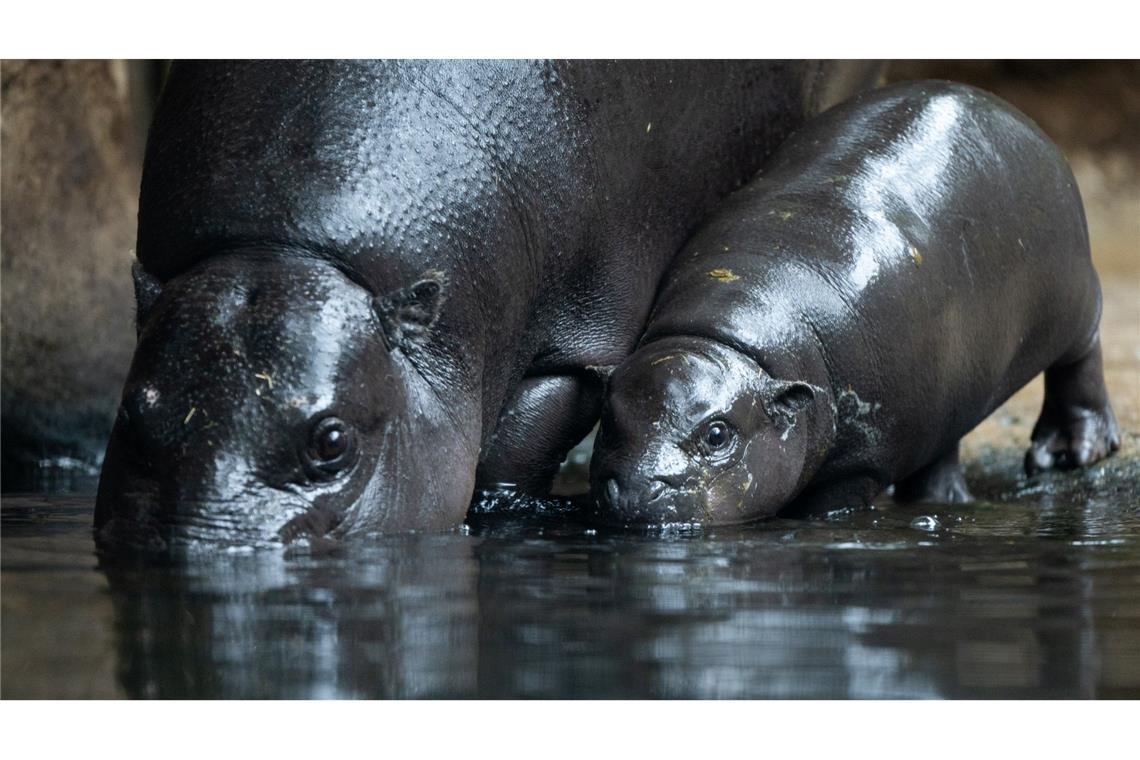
1034	593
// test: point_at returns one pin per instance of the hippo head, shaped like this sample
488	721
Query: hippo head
275	398
696	432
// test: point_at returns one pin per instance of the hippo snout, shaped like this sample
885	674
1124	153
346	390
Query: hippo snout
617	497
640	501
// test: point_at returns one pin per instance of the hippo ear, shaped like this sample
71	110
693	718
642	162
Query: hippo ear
783	400
407	315
147	291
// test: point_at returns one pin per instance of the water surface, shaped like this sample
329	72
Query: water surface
1033	593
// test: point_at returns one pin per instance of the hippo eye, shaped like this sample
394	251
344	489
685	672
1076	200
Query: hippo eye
716	437
330	443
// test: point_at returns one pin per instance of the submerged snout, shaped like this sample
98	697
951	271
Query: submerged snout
149	524
624	500
632	498
162	492
136	509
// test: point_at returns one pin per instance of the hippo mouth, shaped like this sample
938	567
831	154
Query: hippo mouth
662	505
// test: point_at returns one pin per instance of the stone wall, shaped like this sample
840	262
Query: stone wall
70	159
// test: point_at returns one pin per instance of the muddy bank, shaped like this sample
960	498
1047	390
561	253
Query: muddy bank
72	153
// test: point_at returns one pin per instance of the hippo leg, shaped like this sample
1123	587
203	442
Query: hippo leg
940	482
1076	426
545	418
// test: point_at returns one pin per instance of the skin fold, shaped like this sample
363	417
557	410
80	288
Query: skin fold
367	288
900	266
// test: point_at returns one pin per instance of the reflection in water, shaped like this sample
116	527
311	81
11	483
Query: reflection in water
396	622
1035	598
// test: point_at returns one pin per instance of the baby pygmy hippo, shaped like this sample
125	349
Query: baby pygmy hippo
900	267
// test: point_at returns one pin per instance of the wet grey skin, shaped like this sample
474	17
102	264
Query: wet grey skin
366	289
901	266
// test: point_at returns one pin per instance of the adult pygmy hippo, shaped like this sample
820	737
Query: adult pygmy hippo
360	282
900	267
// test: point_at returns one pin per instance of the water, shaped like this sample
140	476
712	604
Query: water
1033	593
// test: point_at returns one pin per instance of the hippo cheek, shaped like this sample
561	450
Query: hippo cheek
731	496
684	504
412	477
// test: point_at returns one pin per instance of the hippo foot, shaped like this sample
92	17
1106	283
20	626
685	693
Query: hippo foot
1077	426
940	482
1070	438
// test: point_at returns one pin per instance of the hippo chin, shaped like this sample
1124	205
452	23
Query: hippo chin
368	288
900	267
